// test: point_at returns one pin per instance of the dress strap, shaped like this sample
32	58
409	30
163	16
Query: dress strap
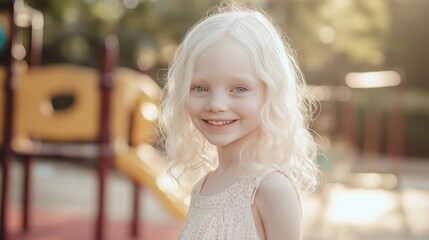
197	187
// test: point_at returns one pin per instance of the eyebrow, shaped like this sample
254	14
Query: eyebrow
238	77
245	78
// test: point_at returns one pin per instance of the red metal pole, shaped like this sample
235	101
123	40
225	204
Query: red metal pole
6	151
348	122
105	153
35	39
371	133
135	211
396	132
27	192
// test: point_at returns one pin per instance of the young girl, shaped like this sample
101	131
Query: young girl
235	111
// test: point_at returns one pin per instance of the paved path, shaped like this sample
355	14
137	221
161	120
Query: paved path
347	208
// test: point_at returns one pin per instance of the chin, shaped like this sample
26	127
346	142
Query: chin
219	143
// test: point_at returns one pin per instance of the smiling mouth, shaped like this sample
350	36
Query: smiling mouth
219	123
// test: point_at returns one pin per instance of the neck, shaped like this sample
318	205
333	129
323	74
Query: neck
228	159
229	155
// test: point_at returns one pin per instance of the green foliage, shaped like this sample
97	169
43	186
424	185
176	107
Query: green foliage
320	30
331	37
74	30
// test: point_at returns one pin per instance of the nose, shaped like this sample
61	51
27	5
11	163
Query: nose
217	103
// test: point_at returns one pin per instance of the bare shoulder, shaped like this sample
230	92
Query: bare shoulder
277	182
277	191
279	208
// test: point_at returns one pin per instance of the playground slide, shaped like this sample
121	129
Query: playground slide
133	92
146	166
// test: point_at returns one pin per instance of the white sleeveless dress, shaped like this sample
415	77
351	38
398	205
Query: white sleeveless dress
226	215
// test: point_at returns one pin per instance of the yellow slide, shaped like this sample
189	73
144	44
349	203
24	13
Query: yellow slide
135	99
146	166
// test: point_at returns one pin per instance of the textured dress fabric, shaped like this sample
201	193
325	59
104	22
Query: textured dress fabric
226	215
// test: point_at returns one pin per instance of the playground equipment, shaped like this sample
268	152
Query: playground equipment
146	165
108	115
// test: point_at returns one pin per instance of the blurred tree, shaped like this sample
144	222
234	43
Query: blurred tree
330	34
334	37
331	37
148	31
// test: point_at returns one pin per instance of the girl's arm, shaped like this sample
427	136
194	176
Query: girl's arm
279	208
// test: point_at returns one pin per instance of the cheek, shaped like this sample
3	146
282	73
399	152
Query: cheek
193	107
250	109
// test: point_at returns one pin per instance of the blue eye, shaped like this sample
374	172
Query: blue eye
240	89
200	89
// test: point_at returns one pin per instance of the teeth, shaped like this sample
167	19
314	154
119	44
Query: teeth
220	123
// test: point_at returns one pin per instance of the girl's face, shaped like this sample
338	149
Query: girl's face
226	95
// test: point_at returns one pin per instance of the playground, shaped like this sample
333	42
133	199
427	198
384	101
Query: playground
79	158
75	112
334	213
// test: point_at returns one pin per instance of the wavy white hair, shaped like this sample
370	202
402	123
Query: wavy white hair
286	140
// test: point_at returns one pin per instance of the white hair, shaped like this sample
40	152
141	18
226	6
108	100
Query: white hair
285	141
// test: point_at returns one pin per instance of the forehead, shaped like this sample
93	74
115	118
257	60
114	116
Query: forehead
226	58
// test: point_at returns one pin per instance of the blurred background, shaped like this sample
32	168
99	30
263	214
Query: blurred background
365	60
